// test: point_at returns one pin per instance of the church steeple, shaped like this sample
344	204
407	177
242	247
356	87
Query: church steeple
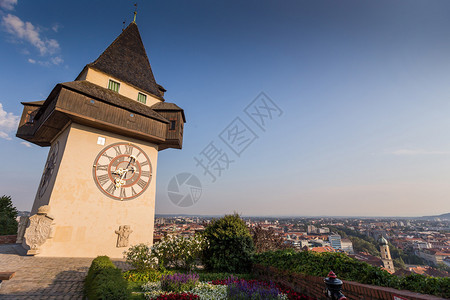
386	255
126	60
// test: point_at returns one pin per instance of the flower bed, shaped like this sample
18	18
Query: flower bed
284	290
231	288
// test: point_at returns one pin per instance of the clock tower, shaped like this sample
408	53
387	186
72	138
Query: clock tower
105	130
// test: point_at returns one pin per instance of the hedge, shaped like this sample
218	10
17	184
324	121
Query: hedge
105	281
347	268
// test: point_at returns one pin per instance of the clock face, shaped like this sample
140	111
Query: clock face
49	168
122	171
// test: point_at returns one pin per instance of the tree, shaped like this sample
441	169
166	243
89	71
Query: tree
399	263
8	215
360	245
229	246
267	240
443	267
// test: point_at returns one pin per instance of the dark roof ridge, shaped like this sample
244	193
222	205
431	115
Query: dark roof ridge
33	103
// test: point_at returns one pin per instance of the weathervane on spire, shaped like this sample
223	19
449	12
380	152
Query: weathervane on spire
135	12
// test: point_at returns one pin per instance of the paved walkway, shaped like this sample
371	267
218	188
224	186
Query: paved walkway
43	277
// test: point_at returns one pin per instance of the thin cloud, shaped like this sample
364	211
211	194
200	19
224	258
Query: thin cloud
57	60
417	152
8	4
56	27
8	123
26	144
28	32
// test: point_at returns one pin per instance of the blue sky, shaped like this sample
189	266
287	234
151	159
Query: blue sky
363	86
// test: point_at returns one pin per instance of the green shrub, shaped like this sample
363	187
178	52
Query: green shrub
178	251
347	268
140	257
145	275
99	263
105	281
109	284
229	245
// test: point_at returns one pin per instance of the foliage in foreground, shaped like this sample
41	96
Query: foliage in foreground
203	290
150	275
105	281
242	289
229	246
284	291
267	240
171	252
229	288
319	264
8	215
179	282
140	257
178	251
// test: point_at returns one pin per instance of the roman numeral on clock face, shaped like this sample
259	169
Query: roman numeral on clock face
111	188
102	167
117	149
102	179
141	183
128	150
145	173
107	156
145	163
122	193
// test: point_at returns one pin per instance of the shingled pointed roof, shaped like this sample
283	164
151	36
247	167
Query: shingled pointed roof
126	59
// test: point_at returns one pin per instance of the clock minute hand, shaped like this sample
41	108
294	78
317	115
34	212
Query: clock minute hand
132	158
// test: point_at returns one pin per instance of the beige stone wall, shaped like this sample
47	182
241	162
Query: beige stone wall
45	197
86	219
127	90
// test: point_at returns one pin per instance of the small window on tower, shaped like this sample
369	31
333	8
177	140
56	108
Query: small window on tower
173	124
30	117
113	85
142	98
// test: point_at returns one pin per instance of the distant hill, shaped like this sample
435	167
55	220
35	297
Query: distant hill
441	217
23	213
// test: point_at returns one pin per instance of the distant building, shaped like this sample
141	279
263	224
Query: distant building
324	230
160	221
386	255
314	229
347	246
311	229
434	256
335	241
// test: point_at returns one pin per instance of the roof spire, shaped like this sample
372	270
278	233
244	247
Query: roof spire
126	60
135	12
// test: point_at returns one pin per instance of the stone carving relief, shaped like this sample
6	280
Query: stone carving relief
124	233
23	222
39	229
